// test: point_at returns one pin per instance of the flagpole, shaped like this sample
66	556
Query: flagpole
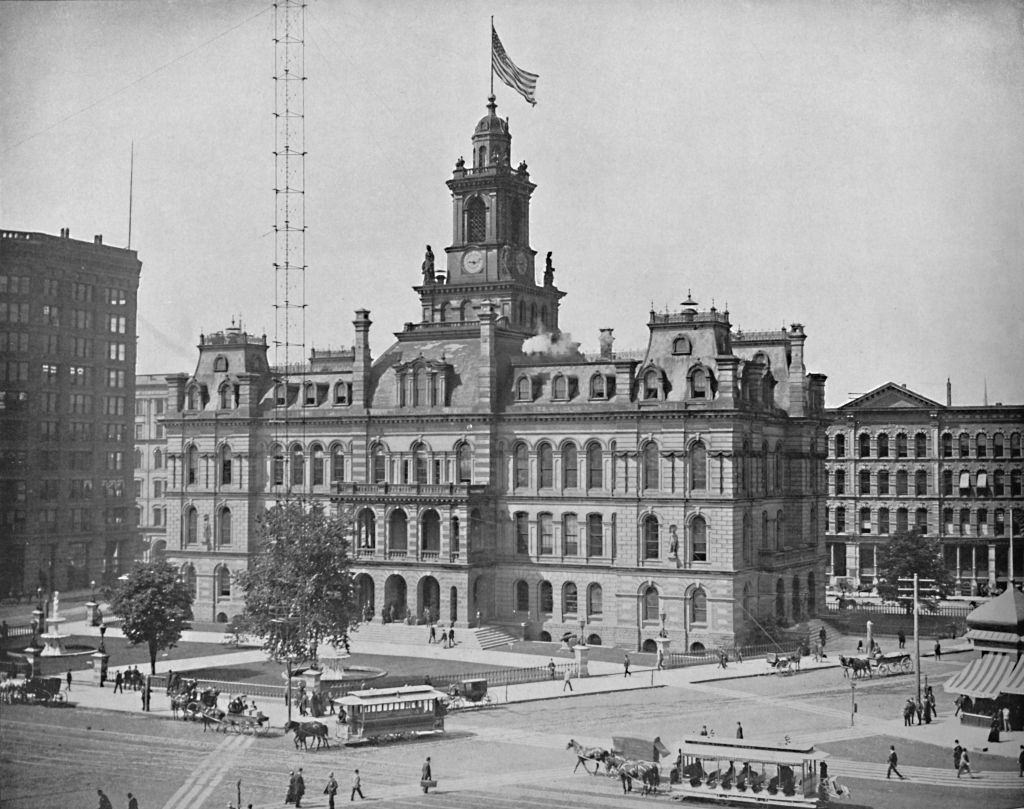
492	54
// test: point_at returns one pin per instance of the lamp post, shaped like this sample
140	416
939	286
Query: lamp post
285	627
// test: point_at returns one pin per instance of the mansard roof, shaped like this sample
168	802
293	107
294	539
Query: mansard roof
890	395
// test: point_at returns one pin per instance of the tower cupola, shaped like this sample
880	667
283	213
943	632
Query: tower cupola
492	144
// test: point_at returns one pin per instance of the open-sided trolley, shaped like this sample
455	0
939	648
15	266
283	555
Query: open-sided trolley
390	714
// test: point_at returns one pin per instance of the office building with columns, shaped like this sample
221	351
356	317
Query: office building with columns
492	470
899	461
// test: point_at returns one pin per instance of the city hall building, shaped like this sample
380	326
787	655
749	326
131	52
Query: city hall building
492	470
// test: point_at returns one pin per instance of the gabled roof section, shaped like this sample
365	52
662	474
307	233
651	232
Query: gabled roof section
1005	610
890	395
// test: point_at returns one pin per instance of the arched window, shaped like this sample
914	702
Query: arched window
421	464
226	396
841	519
902	520
864	481
1015	483
681	345
192	398
317	452
921	519
276	465
546	534
465	462
521	525
522	596
883	444
191	465
947	482
947	445
378	464
698	466
545	465
524	392
595	535
901	445
430	531
138	459
546	598
398	533
595	600
570	466
595	464
883	520
455	538
920	482
865	520
281	394
997	445
225	466
998	483
651	604
476	214
1014	445
883	481
188	575
191	526
840	445
651	384
220	364
559	387
981	445
652	537
698	540
337	464
864	445
920	445
569	598
223	582
366	528
520	466
698	607
597	387
840	481
224	527
298	465
651	466
158	459
964	445
570	535
309	398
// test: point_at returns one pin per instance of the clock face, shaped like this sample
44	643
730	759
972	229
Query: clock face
522	263
473	261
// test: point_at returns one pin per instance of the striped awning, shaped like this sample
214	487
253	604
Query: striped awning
982	678
993	636
1015	682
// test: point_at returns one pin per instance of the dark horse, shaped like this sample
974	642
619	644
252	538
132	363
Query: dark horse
858	665
306	730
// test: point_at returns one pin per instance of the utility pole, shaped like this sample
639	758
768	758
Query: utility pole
917	641
853	700
910	589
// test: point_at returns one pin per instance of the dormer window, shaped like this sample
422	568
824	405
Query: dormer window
309	396
681	345
559	388
193	398
652	386
343	393
699	384
598	387
226	396
281	394
524	389
220	364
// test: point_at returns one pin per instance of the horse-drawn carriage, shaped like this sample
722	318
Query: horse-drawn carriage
257	724
186	697
782	663
466	694
38	690
884	664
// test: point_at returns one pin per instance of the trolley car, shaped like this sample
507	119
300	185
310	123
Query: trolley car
741	771
390	714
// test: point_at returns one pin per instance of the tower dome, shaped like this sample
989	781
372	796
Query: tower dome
492	144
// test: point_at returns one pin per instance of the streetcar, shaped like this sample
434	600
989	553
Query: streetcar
376	715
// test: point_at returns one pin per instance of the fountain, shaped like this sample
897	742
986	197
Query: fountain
53	639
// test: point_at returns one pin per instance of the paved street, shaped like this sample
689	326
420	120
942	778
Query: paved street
510	755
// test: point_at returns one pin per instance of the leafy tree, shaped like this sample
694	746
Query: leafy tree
155	607
299	589
907	553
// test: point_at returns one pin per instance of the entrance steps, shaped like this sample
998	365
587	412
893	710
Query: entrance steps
406	635
490	637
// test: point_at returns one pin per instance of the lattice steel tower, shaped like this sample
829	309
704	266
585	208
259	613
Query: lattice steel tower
290	206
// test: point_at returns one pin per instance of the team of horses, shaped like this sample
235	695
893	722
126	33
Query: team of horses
308	730
858	666
644	773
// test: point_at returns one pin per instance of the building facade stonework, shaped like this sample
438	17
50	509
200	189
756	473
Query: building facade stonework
899	461
493	470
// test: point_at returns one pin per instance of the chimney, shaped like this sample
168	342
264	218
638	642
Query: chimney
797	390
65	232
361	366
97	239
605	340
949	393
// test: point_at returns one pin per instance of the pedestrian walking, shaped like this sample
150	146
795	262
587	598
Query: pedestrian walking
902	638
893	761
661	660
703	730
817	651
69	680
1006	720
739	731
1020	762
958	753
551	668
994	726
908	713
918	709
357	786
104	800
938	651
860	647
567	680
433	634
119	683
965	765
929	696
426	776
136	678
451	636
290	796
959	702
133	802
300	788
927	712
625	665
822	637
723	659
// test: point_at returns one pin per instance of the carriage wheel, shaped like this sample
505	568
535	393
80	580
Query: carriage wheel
60	698
907	664
192	710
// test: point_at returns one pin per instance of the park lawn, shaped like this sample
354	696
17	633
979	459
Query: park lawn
400	670
122	653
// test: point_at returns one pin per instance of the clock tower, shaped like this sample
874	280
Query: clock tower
490	257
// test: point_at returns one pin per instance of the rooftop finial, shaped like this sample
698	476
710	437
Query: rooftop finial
689	299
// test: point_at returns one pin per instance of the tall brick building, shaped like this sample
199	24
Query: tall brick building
900	461
492	468
67	386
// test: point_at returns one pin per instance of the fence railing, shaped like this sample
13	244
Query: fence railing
898	609
442	682
227	688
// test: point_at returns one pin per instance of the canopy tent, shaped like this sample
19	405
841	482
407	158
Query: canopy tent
1014	683
983	678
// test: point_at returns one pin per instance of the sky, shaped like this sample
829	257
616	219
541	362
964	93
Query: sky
857	167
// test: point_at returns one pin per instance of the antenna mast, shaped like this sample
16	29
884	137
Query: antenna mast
289	208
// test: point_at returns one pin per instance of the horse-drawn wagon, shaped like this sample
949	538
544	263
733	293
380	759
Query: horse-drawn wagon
884	664
783	663
257	724
40	690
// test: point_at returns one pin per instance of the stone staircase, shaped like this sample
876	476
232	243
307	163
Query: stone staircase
490	637
405	635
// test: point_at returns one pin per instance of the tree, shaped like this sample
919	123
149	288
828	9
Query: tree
299	589
907	553
155	607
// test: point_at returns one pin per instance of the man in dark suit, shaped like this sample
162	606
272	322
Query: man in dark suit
425	776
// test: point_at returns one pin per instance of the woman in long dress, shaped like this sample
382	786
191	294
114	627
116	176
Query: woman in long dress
993	734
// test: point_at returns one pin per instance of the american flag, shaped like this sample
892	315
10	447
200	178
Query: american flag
518	79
